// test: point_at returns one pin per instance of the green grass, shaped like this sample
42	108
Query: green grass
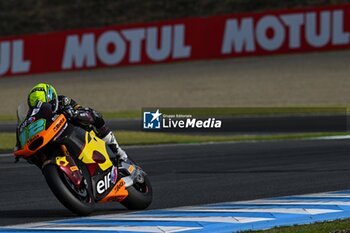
149	138
254	111
7	140
323	227
242	111
8	118
106	115
122	114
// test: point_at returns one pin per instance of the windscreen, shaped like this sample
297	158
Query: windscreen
22	112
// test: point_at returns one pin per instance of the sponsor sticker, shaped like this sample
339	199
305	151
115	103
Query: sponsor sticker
74	168
104	184
58	125
131	169
114	174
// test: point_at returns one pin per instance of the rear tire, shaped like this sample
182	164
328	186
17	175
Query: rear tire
140	195
61	189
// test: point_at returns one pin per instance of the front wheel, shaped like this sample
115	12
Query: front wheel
140	195
79	201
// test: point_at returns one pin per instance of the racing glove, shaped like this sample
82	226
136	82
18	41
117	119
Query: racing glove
70	112
84	116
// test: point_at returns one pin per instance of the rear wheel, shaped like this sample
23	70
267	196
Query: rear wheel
78	200
140	195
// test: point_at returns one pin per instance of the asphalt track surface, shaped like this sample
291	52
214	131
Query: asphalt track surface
185	175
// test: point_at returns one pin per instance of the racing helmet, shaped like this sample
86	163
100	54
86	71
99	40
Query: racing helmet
45	93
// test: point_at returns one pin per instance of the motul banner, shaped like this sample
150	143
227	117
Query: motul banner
228	36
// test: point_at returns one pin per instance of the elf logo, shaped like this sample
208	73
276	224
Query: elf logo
104	184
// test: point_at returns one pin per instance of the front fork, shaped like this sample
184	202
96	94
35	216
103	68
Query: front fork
134	173
131	174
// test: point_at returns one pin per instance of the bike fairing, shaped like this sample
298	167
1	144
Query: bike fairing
51	139
87	146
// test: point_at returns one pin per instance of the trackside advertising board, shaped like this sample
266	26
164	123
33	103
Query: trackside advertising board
228	36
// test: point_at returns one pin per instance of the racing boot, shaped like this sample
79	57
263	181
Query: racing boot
114	146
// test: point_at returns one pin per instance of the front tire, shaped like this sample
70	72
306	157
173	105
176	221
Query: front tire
59	185
140	195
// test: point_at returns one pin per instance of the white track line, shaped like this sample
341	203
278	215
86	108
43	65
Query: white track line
153	229
264	210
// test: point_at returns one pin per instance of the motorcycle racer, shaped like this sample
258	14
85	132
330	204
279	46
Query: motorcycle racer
86	118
